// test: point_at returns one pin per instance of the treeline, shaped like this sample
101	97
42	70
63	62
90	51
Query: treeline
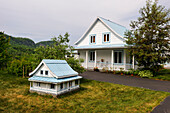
19	58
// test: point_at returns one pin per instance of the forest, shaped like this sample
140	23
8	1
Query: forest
20	56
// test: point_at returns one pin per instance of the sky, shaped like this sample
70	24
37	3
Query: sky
41	20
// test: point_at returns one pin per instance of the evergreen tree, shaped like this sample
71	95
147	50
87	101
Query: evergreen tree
149	36
4	45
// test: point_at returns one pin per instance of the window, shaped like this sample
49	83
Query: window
106	37
118	57
65	85
92	56
70	84
92	38
76	82
38	84
41	72
61	86
46	72
52	86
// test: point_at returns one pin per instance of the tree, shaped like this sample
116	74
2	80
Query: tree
4	45
59	50
148	38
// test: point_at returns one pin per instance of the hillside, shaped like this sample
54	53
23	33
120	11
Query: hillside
20	46
44	43
26	42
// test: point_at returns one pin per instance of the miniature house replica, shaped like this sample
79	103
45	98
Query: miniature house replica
53	77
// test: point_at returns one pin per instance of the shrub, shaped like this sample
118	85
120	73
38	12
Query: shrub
145	73
136	72
75	64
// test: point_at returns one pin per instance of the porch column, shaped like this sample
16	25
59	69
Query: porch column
95	59
124	59
112	60
86	59
133	62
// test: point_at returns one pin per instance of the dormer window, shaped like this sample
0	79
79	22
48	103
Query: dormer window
41	72
92	39
46	72
106	37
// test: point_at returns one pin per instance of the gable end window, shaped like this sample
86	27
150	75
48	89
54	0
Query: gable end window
46	72
106	37
92	39
92	55
41	72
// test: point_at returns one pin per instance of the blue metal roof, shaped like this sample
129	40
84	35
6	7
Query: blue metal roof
54	61
114	26
59	67
53	79
101	46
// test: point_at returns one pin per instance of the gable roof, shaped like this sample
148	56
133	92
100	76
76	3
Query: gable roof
58	68
117	29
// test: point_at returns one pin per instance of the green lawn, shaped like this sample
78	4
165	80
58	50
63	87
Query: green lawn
93	96
163	75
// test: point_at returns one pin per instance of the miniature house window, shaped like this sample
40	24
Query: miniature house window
41	72
92	38
46	72
38	84
118	57
106	37
92	56
76	82
70	83
52	86
65	85
61	86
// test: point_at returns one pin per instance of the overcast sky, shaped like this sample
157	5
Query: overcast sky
41	20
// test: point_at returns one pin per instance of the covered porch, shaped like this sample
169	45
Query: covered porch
108	59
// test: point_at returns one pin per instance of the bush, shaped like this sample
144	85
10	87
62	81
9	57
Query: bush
75	65
145	73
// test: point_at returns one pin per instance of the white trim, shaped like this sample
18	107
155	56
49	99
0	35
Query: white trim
43	63
95	58
124	59
112	59
87	59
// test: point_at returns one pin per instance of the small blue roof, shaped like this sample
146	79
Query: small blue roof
59	67
101	46
114	26
53	79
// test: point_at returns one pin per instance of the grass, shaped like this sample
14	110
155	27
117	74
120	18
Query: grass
163	75
93	96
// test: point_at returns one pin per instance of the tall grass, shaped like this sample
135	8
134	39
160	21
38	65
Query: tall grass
93	96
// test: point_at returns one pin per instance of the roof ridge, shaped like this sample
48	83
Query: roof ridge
111	21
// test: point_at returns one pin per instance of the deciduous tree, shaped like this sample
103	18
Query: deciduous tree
149	36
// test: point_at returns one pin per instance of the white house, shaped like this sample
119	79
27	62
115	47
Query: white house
54	77
103	46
